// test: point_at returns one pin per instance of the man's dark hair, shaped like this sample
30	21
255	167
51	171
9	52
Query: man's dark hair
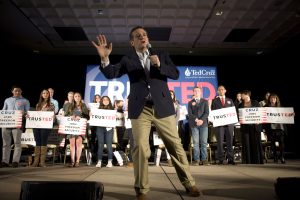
133	29
15	86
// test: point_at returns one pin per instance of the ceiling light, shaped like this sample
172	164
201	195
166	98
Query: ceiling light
99	12
219	13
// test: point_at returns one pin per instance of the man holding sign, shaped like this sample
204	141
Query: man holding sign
16	102
218	103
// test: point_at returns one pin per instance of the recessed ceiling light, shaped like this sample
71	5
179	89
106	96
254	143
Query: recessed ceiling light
219	13
99	12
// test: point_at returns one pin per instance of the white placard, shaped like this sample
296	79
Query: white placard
28	137
127	120
182	112
103	118
94	105
156	139
39	119
11	118
120	121
280	115
68	125
256	115
224	116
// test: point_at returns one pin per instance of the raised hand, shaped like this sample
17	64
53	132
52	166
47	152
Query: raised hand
103	48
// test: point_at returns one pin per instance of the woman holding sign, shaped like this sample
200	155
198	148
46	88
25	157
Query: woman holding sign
41	134
76	110
251	134
105	135
276	131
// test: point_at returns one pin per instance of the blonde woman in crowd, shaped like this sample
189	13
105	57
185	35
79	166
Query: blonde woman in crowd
76	110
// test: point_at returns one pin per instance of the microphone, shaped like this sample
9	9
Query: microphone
149	47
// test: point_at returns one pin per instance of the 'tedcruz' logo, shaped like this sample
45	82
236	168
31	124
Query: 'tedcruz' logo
200	72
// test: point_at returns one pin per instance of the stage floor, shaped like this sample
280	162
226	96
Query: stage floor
217	182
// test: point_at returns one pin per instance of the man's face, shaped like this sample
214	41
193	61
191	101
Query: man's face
16	92
51	92
221	91
197	93
139	40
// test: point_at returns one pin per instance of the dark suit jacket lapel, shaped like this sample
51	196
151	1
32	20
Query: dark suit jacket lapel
135	58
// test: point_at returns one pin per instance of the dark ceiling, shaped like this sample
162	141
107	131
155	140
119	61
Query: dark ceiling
197	27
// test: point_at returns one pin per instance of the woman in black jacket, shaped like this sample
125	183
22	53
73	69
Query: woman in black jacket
276	131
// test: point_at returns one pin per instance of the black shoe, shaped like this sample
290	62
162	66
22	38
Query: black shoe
231	162
4	164
282	161
220	162
193	191
15	164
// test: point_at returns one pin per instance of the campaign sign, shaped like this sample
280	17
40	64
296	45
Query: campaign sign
103	118
11	118
224	116
39	119
69	125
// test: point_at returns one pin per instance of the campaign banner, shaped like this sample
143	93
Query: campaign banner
119	88
11	118
39	119
103	118
224	116
204	77
256	115
68	125
96	83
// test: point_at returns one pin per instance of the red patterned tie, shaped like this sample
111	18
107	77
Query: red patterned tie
223	101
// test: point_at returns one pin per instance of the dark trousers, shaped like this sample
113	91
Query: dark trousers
41	136
226	131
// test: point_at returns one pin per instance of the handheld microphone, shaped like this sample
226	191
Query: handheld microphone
149	47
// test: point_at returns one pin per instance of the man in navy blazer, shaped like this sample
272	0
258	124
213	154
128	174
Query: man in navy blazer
149	102
221	101
198	111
